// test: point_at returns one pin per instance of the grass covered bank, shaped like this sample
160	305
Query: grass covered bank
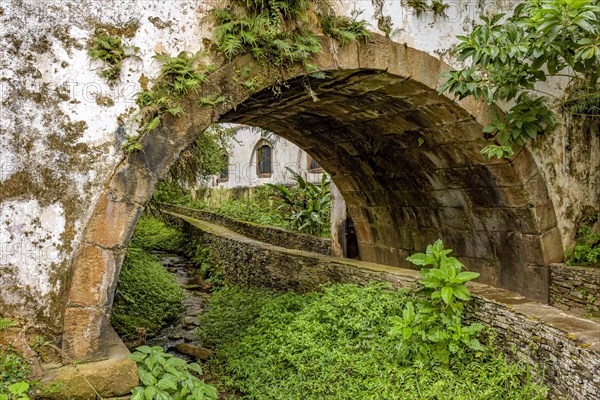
147	296
350	342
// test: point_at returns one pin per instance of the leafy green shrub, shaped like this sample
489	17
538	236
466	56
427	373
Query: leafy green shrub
307	206
13	376
146	296
164	377
336	344
431	328
510	57
586	251
152	234
16	391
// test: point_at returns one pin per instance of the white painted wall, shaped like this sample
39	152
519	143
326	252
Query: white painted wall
242	160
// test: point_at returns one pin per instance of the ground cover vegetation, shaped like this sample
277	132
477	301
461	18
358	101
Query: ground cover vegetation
508	58
147	296
164	377
14	371
258	207
349	342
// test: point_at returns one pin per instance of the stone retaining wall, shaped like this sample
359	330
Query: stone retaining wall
565	346
575	289
267	234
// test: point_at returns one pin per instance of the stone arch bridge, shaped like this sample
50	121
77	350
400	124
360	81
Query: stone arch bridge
405	159
377	101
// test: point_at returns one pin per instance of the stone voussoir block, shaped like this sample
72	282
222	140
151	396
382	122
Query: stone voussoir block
94	272
112	223
86	334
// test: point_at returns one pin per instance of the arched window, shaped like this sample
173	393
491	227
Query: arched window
224	173
312	165
264	160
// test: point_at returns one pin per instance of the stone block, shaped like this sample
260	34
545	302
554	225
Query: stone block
364	233
113	377
524	165
424	68
112	223
346	57
375	53
132	184
86	334
94	273
514	196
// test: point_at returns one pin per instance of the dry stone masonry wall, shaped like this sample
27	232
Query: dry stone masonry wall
575	289
266	234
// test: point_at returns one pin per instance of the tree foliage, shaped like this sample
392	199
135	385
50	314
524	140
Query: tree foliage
203	158
511	56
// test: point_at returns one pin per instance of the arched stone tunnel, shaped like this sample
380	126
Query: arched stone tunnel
405	159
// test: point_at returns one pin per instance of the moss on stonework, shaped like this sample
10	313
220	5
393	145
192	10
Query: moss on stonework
159	23
68	42
104	101
127	30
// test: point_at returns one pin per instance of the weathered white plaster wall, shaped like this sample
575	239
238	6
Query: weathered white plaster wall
62	126
242	160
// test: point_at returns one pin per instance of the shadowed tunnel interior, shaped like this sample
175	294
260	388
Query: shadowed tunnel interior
408	165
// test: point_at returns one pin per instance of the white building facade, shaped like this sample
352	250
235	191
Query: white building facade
256	157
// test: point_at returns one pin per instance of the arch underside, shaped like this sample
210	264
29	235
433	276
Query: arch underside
405	159
407	162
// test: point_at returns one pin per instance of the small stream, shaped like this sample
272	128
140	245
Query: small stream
196	293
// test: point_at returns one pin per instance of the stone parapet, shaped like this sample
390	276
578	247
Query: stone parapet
266	234
575	289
